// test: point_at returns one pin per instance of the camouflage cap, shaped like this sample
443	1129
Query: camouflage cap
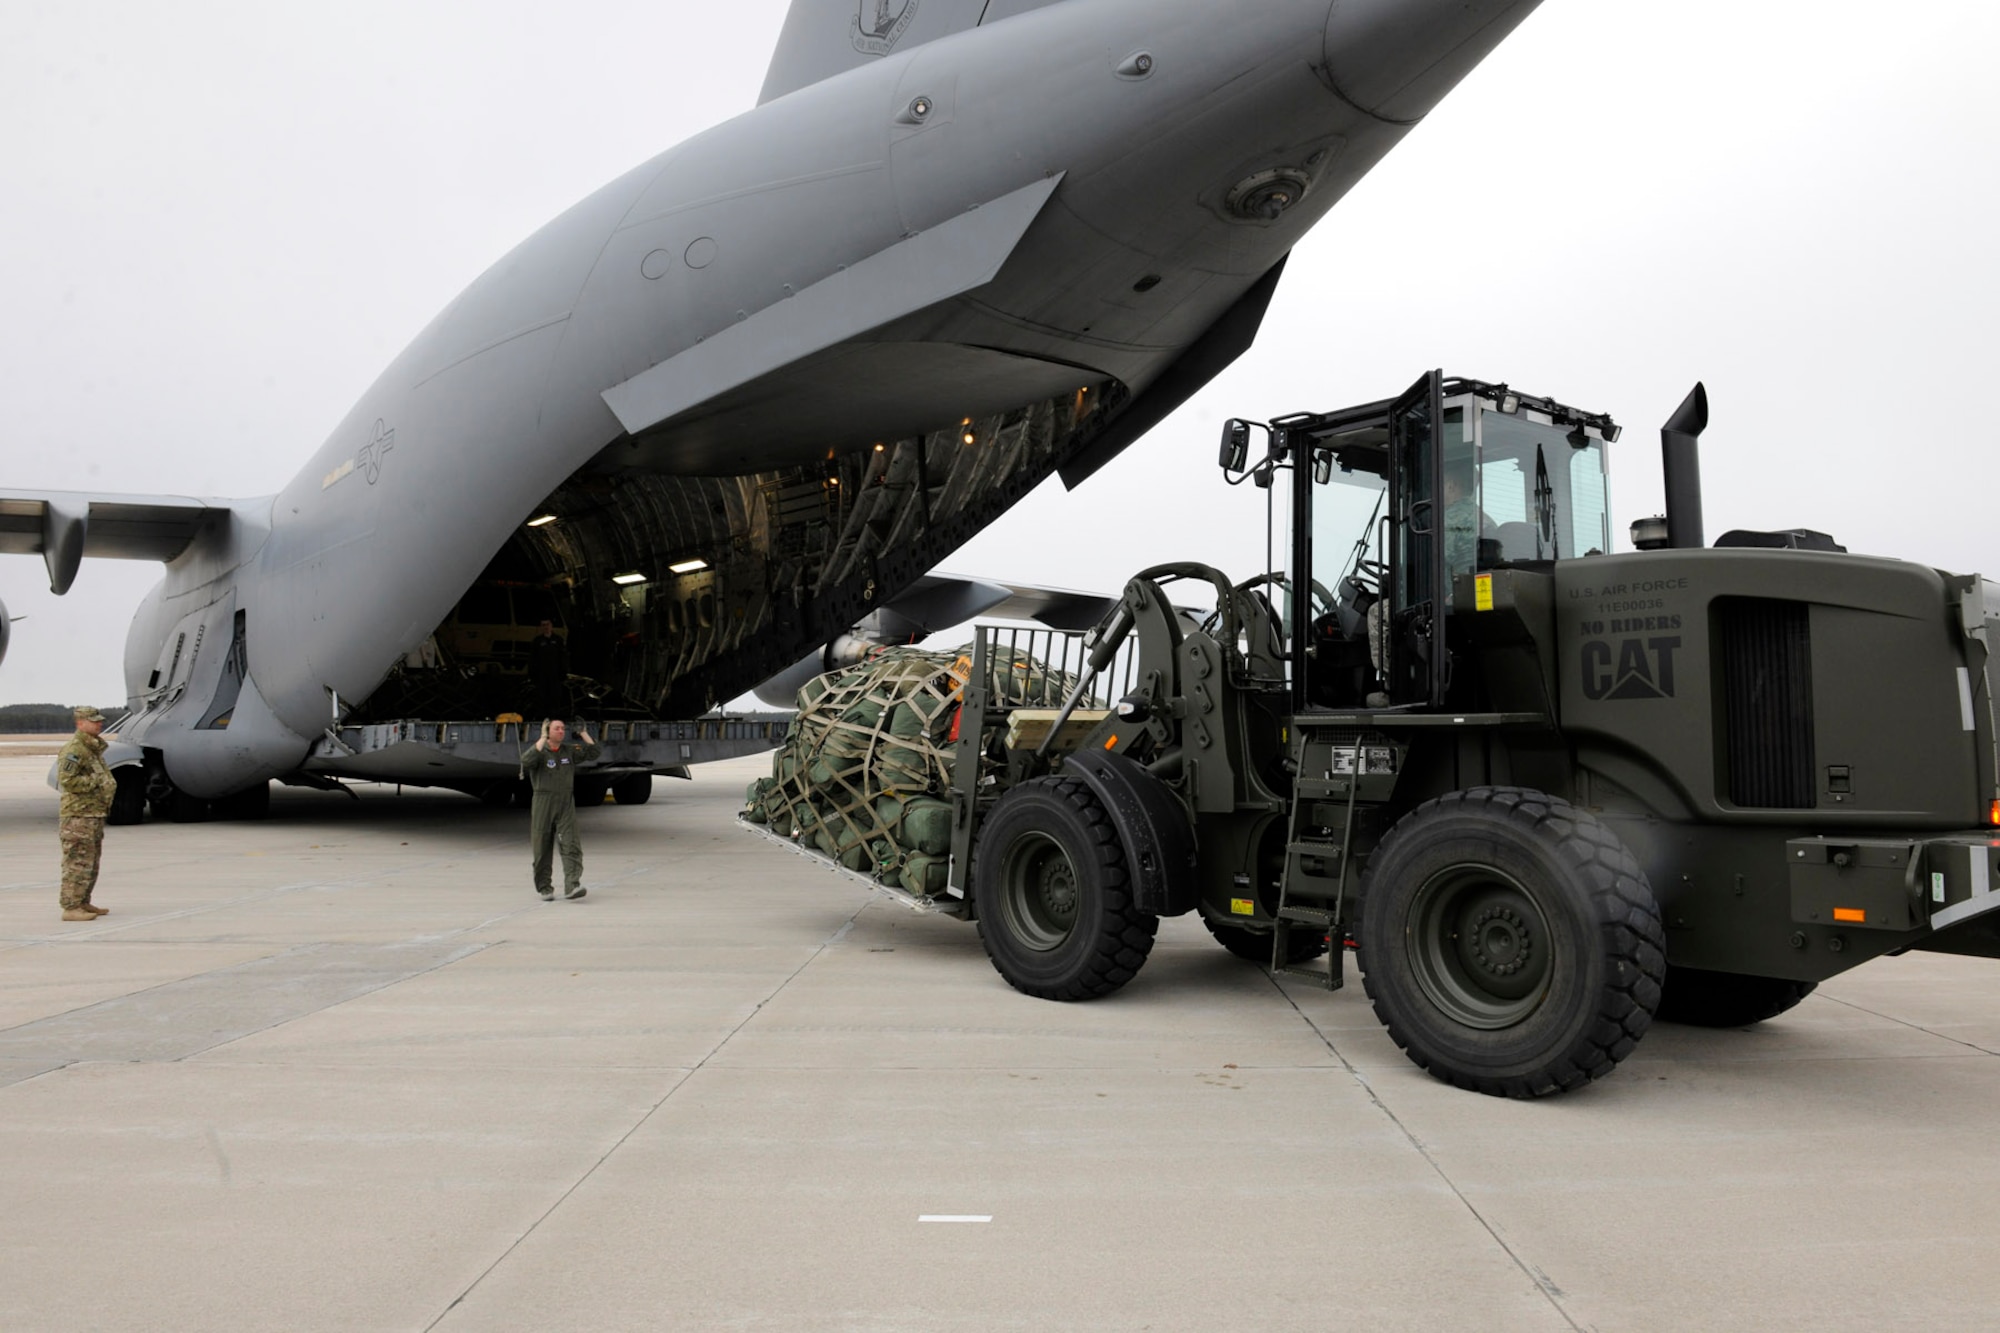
85	713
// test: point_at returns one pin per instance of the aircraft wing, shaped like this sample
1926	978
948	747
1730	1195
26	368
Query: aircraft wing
1058	608
64	526
934	602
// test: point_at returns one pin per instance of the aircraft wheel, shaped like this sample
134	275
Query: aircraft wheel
634	790
182	808
498	794
1726	999
591	792
1052	897
250	803
129	805
1302	946
1510	942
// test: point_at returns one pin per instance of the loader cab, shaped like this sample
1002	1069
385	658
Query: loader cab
1398	506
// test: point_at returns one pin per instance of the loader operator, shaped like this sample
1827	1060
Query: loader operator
87	790
550	768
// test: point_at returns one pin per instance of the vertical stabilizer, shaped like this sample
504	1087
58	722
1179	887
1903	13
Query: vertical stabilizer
823	38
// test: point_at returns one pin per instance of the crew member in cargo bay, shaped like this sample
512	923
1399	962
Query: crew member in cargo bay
87	790
548	673
550	768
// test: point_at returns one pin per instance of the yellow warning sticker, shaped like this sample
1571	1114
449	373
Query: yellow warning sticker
1242	907
1482	591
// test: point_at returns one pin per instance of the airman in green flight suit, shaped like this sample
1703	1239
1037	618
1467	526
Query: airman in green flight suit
550	768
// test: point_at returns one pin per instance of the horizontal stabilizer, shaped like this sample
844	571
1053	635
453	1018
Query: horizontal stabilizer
65	526
949	260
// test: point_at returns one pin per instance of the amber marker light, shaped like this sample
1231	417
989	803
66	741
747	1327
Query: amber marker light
1854	914
1993	814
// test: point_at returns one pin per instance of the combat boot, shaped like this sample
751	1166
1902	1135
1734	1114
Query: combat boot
95	910
78	914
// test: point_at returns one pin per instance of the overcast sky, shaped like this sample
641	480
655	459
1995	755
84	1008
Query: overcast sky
220	221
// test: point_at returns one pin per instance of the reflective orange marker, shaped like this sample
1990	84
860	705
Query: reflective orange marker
1853	914
1111	744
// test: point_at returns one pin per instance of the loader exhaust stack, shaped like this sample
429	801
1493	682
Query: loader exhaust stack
1680	462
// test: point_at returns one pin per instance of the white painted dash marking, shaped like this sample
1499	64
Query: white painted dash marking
955	1217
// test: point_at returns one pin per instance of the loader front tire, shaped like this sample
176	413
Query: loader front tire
1706	999
1510	942
1052	894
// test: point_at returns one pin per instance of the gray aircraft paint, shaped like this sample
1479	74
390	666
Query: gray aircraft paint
1104	142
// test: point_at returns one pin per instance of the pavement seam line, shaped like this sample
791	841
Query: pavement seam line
468	951
1904	1022
1540	1280
649	1113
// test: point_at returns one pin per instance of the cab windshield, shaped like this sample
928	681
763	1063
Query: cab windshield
1540	495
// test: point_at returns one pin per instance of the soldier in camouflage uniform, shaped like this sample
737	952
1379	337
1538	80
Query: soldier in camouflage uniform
87	790
550	768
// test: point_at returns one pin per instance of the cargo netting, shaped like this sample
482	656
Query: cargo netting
865	775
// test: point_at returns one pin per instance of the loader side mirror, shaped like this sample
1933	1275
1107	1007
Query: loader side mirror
1323	466
1235	452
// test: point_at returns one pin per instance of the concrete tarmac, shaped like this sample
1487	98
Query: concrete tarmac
340	1069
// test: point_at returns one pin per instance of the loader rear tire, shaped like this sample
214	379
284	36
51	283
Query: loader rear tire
1726	999
1052	894
1510	942
1255	945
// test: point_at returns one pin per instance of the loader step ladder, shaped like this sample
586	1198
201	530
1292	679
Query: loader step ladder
1312	920
1327	921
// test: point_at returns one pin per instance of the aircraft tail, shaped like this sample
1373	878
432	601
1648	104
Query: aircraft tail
823	38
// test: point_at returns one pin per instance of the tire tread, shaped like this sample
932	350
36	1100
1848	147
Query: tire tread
1126	934
1634	941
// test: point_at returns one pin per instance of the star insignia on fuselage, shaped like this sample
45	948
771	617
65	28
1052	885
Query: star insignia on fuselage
369	459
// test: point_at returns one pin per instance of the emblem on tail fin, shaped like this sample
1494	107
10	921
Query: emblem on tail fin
880	24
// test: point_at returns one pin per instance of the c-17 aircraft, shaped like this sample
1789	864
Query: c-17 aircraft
720	418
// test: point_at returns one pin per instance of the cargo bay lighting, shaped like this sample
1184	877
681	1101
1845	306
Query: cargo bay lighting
627	580
542	522
693	565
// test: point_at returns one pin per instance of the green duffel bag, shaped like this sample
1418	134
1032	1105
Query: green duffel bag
905	723
926	875
926	826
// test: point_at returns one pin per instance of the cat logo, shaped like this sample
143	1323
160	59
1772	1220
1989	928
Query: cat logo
880	24
1636	669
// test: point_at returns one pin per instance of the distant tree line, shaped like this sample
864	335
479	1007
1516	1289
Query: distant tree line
31	719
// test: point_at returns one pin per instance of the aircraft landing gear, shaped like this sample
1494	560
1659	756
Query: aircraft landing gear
169	801
250	803
634	790
129	805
